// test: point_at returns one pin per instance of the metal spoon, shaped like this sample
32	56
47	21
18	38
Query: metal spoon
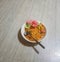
26	33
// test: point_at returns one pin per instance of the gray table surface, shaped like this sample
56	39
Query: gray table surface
13	13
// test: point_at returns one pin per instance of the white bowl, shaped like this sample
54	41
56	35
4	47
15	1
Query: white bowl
22	33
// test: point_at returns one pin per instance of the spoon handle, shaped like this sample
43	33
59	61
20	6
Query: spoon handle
41	45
